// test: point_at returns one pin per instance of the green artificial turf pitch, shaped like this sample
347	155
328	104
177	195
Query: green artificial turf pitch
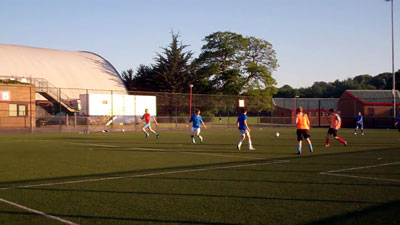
124	178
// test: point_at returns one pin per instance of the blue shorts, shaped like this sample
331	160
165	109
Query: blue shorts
147	125
360	125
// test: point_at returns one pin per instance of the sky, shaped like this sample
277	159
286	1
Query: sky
315	40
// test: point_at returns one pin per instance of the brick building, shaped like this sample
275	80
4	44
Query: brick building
316	108
375	105
17	106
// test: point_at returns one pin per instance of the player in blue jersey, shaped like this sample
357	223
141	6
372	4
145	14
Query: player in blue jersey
359	124
397	123
244	129
196	120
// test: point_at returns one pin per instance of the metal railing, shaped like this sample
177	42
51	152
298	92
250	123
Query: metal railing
44	86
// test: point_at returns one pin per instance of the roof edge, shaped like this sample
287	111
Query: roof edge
115	70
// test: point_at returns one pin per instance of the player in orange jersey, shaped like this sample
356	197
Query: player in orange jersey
335	125
303	125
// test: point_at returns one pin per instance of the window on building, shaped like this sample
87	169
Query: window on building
12	110
17	110
21	110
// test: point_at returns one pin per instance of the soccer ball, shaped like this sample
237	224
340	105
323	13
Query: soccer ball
276	134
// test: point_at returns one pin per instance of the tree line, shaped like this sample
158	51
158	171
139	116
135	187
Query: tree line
321	89
232	64
229	63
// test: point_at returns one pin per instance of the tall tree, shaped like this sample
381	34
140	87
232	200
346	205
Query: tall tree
172	71
235	64
220	61
128	79
173	67
259	63
146	79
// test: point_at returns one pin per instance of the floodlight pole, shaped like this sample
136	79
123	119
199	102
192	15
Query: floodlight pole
393	73
295	108
190	100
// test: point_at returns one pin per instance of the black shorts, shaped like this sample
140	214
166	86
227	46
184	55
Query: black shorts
332	131
302	133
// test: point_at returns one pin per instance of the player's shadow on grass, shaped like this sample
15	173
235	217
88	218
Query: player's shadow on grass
241	152
302	163
75	139
116	149
387	213
113	218
14	183
182	149
201	195
128	172
233	144
277	171
332	154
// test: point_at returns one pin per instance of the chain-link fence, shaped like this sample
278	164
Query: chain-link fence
377	112
57	113
60	110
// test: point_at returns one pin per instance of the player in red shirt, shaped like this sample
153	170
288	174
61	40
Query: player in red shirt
147	118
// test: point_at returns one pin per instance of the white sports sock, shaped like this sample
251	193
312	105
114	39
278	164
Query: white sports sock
240	143
250	145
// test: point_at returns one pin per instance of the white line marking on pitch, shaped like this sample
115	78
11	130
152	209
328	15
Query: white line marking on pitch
363	167
161	150
335	172
360	177
108	146
144	175
157	150
116	146
227	156
38	212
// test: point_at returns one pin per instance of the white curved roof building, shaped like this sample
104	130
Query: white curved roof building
68	70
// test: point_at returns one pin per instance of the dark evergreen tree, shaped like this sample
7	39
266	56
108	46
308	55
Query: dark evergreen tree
174	68
128	79
172	71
